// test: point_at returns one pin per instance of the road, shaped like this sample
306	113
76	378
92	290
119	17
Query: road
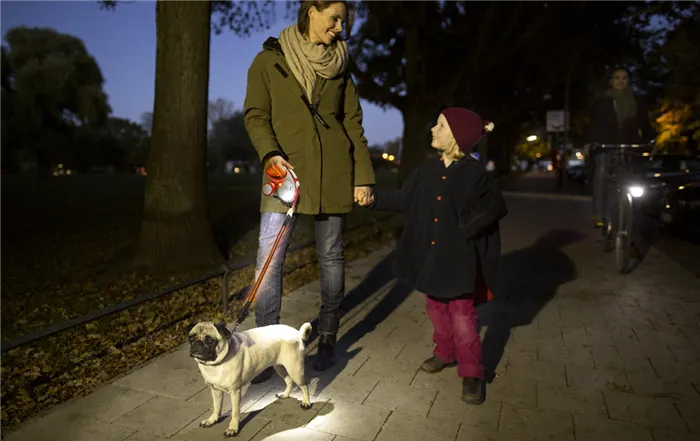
683	247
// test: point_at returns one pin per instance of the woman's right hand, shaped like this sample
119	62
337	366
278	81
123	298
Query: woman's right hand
276	161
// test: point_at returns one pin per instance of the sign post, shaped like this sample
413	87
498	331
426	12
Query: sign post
557	121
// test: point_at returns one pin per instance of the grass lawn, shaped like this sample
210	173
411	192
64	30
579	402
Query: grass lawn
66	242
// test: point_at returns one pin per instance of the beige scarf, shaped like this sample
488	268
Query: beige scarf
625	104
306	59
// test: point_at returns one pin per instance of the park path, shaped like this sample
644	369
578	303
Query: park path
574	351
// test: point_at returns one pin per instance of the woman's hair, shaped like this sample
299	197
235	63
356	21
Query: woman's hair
619	68
303	15
455	152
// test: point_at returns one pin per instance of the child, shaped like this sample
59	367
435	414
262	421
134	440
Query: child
450	245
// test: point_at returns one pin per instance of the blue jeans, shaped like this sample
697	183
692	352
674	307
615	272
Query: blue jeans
329	246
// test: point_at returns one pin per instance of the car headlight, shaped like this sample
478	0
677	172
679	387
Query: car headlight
636	191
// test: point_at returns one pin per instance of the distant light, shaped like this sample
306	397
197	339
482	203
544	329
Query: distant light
645	154
391	157
55	173
532	138
68	172
236	170
60	165
681	187
538	155
549	168
385	155
656	175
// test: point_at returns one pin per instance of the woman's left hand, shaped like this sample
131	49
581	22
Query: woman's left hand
362	195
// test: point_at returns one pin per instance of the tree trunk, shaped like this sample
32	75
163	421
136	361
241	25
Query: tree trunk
416	138
176	230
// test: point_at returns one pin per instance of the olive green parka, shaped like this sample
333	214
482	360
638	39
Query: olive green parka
322	139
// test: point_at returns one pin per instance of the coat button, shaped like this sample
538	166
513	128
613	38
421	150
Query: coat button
439	198
435	220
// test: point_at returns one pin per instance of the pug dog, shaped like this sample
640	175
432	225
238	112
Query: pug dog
229	361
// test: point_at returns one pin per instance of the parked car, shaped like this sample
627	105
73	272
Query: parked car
665	173
577	173
665	165
681	204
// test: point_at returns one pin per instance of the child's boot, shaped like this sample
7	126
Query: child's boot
434	365
473	390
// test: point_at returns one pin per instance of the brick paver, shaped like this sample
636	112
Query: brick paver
575	351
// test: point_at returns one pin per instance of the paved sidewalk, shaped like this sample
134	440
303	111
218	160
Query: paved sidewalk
575	352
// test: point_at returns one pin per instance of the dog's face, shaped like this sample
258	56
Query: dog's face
209	342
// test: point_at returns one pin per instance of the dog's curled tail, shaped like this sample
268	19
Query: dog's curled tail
305	331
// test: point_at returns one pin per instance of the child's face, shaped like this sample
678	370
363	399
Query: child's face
442	135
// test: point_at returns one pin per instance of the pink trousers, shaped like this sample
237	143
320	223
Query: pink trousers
456	334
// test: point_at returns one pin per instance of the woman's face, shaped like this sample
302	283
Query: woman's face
620	80
325	26
442	135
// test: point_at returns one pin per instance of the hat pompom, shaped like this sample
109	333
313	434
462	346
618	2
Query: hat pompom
488	127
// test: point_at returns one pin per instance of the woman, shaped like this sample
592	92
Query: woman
616	118
302	111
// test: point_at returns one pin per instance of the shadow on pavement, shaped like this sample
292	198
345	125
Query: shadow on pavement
529	279
378	277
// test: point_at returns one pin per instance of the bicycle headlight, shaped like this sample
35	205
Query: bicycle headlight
636	191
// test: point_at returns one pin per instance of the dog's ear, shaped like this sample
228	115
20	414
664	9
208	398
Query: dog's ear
223	330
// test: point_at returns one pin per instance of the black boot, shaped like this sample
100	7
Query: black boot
263	376
325	357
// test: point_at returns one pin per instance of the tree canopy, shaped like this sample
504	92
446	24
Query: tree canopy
508	61
51	86
677	64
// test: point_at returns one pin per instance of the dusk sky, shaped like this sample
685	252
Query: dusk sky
124	44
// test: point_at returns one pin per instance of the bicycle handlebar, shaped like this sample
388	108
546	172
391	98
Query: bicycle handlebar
619	146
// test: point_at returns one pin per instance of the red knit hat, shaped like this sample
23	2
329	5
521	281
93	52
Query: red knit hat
467	127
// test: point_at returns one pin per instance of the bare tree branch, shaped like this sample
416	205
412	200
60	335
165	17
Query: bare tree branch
375	92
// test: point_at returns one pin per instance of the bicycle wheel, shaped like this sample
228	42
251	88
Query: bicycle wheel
623	238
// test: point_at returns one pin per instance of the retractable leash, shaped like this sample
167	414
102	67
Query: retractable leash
283	186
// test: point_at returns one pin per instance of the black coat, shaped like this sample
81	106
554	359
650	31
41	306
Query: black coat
450	229
605	128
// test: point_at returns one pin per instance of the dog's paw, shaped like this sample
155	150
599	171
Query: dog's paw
208	422
230	433
305	406
282	395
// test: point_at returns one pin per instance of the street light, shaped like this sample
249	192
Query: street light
391	157
532	138
385	155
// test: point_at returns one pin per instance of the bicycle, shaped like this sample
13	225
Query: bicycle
624	182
